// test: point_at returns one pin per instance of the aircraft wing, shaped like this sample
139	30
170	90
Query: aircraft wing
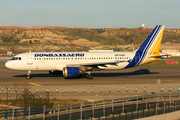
94	64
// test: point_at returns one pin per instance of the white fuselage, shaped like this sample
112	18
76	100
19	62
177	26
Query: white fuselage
58	60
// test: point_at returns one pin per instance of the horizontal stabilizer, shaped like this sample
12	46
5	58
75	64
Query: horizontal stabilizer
162	56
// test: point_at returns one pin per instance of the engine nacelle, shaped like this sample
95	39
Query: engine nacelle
71	72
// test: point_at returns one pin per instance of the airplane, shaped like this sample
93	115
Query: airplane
74	64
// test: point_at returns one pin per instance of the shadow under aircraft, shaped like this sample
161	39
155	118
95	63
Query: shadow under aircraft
97	74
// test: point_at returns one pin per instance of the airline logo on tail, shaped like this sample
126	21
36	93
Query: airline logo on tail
149	50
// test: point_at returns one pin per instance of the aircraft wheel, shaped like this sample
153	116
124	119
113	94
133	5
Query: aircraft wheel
28	77
89	76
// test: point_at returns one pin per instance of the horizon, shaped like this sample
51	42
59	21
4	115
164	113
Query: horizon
64	27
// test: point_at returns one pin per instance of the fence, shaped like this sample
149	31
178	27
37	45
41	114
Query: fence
21	112
26	98
123	108
84	90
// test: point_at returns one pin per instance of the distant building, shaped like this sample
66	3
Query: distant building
9	53
172	52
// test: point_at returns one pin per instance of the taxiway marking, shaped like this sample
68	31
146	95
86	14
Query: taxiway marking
35	84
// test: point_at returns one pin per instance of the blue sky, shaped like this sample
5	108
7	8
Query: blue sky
90	13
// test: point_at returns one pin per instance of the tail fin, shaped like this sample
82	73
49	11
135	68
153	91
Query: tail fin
151	46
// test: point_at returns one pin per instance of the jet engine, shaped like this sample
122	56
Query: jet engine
69	72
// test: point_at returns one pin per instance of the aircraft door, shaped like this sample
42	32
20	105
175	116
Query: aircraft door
137	57
30	59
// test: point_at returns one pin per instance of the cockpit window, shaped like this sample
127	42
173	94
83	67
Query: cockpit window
16	58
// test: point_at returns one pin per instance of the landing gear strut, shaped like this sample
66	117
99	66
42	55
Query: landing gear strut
89	76
28	75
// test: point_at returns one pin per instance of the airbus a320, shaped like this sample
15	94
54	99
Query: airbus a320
74	64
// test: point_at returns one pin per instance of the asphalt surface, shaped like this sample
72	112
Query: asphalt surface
136	75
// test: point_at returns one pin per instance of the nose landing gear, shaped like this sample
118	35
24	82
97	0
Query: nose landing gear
28	75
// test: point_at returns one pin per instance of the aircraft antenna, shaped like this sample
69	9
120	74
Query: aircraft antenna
133	47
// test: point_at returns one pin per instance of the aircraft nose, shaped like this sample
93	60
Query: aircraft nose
8	65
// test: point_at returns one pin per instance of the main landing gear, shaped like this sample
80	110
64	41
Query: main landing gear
28	75
89	76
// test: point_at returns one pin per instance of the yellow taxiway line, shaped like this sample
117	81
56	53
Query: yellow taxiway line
34	84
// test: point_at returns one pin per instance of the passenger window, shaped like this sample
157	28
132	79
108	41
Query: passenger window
39	58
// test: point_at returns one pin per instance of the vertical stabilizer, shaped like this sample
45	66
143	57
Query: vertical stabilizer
151	46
